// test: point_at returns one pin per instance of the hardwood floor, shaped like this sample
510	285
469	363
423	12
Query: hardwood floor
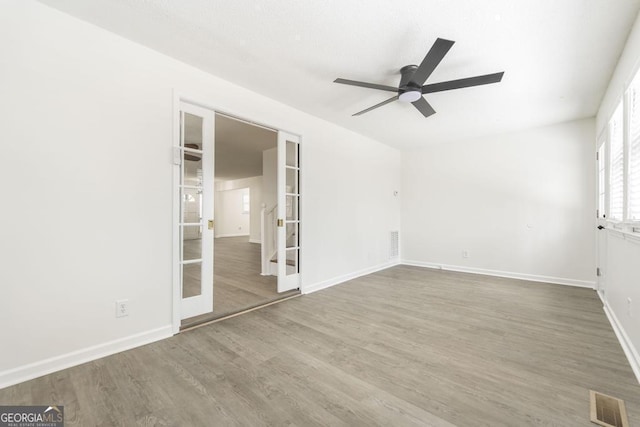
404	346
238	284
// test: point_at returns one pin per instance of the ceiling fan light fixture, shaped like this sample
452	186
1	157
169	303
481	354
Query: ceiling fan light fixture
413	77
410	96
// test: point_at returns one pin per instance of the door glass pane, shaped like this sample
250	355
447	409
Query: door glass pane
191	280
292	235
292	181
292	154
192	169
292	261
192	131
192	206
191	243
292	207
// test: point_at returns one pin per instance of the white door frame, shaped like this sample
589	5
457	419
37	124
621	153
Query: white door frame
198	100
602	233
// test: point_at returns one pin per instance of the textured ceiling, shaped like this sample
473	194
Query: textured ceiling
558	55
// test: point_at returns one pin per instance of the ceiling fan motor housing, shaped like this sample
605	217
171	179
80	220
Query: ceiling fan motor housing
406	85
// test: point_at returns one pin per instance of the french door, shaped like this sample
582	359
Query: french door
288	183
194	194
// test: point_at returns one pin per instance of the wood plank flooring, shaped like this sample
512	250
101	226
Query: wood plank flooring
238	284
404	346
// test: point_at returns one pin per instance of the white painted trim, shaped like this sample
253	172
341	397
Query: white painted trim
207	102
175	219
591	284
307	289
78	357
259	242
232	235
627	346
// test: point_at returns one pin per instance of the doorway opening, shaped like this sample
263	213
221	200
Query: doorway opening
253	169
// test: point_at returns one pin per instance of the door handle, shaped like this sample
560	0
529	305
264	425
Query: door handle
600	227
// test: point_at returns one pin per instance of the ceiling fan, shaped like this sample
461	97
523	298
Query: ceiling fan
412	87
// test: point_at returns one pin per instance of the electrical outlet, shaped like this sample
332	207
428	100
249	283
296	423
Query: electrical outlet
122	308
465	254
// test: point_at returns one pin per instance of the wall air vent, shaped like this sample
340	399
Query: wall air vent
394	249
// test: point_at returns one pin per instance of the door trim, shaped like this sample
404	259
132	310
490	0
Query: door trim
179	96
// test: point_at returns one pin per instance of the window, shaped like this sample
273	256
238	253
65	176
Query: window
246	203
619	174
633	183
616	165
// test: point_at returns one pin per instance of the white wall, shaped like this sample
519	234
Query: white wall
80	108
521	204
230	220
254	184
622	252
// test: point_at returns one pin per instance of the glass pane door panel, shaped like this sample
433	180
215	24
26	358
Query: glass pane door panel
191	206
292	181
292	261
292	207
191	243
292	154
192	137
191	280
292	235
192	173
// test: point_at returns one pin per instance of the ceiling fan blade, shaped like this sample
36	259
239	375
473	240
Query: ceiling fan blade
365	84
424	107
462	83
431	60
377	105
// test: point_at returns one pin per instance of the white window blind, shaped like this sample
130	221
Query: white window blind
616	165
633	182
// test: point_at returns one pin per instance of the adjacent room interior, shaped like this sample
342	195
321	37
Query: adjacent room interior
246	213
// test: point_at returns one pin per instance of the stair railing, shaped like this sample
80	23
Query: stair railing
268	230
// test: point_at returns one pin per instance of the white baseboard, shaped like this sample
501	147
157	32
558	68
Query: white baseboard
78	357
255	241
345	277
532	277
627	346
232	235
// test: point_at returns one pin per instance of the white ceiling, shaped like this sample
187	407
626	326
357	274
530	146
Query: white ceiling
558	55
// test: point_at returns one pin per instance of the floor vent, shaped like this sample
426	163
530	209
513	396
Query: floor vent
608	411
393	245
